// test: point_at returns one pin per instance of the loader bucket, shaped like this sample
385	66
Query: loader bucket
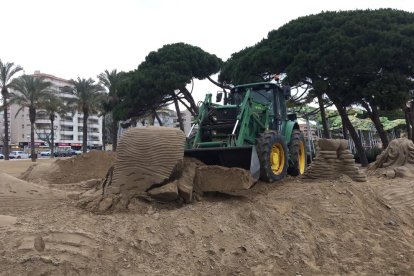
240	157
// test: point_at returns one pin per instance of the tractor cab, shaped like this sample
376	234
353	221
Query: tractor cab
228	134
268	95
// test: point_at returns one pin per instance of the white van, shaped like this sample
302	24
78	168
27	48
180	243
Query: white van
18	155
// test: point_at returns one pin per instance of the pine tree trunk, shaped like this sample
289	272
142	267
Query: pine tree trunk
407	123
180	119
411	118
325	127
190	100
344	131
354	135
158	118
379	127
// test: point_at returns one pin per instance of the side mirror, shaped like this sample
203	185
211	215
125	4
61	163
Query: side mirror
219	96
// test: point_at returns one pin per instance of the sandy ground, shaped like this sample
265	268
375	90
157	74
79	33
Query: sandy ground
294	227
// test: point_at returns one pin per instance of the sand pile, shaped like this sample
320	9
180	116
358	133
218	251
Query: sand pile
334	158
15	192
92	165
396	161
151	165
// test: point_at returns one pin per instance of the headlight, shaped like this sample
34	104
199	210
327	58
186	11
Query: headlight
214	119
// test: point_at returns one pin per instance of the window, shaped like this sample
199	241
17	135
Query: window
22	126
22	136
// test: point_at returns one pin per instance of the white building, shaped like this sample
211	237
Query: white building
68	128
169	118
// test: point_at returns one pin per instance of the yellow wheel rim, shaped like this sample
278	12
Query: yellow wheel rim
302	158
277	159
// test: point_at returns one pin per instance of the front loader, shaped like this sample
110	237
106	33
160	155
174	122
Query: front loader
251	130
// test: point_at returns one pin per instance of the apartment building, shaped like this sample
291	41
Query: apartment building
68	128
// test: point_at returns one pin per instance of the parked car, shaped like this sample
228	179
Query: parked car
45	153
1	156
16	154
76	152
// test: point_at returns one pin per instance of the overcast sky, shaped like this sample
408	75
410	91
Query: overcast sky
71	38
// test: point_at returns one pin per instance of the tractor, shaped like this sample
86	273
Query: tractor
250	130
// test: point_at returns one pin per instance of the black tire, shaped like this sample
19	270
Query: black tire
267	143
18	157
297	154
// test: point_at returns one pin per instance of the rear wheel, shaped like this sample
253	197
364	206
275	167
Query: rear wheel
297	152
273	156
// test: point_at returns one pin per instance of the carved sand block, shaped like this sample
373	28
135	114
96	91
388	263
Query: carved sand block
147	156
332	159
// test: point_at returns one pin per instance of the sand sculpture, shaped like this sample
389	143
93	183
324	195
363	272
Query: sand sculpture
334	158
150	164
146	156
397	160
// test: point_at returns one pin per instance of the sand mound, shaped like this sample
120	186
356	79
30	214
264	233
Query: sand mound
92	165
396	161
15	192
150	165
191	178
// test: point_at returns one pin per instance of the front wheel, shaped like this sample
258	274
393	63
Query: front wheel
273	156
297	151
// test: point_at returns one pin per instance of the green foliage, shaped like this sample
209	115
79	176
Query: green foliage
353	55
30	92
7	71
161	75
88	95
54	105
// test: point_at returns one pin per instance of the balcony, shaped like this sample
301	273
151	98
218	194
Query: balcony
42	121
66	132
66	122
66	137
41	126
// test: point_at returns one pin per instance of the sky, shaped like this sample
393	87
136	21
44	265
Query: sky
82	38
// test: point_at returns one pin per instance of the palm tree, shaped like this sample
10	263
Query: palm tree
53	106
111	81
105	109
30	92
7	71
88	95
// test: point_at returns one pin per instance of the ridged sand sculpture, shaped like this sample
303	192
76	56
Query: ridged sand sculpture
332	159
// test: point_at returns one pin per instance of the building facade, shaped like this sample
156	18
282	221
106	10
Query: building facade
68	128
169	118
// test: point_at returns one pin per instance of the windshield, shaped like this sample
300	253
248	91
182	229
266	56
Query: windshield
263	96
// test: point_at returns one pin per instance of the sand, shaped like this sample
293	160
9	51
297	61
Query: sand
293	227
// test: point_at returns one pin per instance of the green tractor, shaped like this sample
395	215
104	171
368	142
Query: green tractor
252	130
